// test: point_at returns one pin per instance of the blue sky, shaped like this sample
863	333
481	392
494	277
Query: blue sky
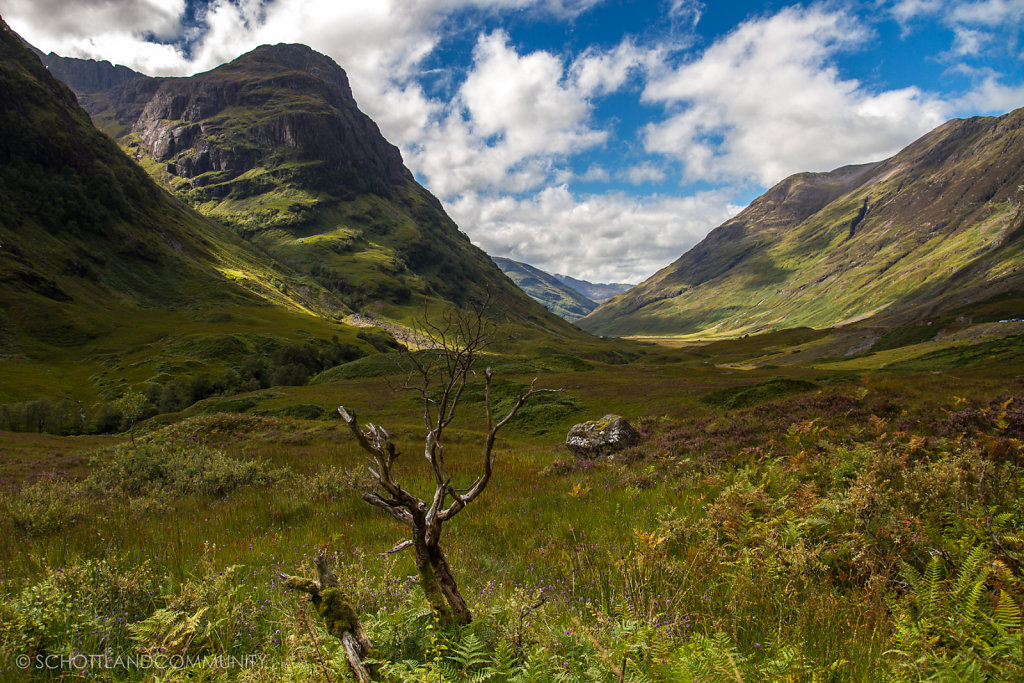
598	138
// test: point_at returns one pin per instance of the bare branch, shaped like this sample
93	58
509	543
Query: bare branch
392	507
398	548
478	486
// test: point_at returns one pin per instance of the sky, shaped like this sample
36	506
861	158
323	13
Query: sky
597	138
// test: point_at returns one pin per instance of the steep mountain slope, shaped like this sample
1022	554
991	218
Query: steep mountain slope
940	224
560	299
598	292
274	145
99	265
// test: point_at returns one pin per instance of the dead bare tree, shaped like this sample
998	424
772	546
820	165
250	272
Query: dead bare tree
440	377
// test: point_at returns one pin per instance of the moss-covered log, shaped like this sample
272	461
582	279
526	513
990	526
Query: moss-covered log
337	613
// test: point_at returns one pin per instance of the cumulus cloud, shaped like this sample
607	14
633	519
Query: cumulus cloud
601	238
989	94
516	116
598	72
644	173
766	101
979	28
69	21
134	32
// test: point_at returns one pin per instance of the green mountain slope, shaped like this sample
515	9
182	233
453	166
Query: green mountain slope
937	226
274	145
560	299
106	281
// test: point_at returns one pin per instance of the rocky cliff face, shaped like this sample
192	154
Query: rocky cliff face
88	241
275	105
86	75
820	249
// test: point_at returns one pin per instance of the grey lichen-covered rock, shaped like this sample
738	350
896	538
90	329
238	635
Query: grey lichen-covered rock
598	438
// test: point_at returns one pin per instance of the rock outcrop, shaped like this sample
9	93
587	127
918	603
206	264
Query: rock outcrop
277	105
598	438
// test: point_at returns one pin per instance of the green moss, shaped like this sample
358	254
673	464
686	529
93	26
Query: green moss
338	614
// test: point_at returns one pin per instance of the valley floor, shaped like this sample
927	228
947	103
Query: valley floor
780	523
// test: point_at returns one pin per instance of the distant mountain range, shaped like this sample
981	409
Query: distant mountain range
596	292
564	296
936	227
559	298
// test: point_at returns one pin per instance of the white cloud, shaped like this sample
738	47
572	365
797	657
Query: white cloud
979	28
989	95
991	13
598	73
644	173
765	101
686	12
516	117
906	10
595	174
71	20
601	238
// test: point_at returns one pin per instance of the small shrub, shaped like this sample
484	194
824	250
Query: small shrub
189	468
329	483
46	506
89	606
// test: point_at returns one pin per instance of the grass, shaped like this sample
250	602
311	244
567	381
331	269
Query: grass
733	533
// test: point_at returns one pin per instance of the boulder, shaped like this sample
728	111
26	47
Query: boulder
603	437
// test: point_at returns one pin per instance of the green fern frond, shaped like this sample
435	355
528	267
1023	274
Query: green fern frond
470	653
1007	612
934	593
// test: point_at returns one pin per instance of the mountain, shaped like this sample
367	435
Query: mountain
273	145
560	299
938	226
85	76
107	281
596	292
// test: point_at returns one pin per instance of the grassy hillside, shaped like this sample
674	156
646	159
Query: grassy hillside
942	221
108	283
560	299
273	145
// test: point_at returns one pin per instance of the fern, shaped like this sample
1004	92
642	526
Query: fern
710	660
1007	612
172	631
969	584
470	654
946	625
